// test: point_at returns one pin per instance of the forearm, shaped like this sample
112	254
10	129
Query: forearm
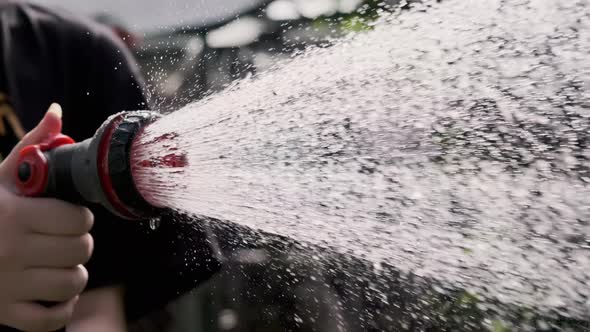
99	310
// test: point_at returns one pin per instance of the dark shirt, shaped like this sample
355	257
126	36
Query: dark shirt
46	57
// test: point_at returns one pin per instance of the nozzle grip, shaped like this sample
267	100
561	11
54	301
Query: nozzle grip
63	181
57	169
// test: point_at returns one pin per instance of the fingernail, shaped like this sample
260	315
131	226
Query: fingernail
55	109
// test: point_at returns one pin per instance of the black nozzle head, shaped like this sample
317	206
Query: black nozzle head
117	178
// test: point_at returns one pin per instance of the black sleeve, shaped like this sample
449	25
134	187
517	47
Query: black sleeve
116	78
155	266
114	86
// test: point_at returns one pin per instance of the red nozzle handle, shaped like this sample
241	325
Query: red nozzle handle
32	171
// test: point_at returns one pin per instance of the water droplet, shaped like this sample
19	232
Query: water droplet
228	319
154	223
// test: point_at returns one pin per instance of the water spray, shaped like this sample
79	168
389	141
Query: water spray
97	170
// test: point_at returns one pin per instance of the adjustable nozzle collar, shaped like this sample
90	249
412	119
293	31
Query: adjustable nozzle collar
115	139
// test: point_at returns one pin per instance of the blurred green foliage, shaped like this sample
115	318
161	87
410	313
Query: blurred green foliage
356	21
499	326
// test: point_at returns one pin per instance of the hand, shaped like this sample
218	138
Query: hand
43	244
100	309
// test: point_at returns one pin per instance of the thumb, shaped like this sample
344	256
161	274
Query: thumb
49	126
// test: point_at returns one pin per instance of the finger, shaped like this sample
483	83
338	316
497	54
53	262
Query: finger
53	285
28	316
52	251
54	217
106	300
50	125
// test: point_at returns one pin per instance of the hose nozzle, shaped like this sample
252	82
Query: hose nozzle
97	170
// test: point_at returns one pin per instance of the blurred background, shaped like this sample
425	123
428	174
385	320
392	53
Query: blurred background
188	49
